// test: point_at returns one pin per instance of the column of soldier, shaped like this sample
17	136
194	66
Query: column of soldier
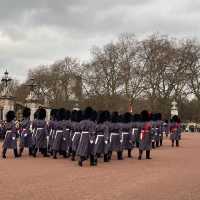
87	135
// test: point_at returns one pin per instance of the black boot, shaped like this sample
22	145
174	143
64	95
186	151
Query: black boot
73	155
54	154
172	143
30	151
15	153
92	160
4	153
45	154
35	152
148	155
129	153
140	155
119	155
157	143
153	145
177	143
21	151
109	155
137	144
160	142
105	157
80	162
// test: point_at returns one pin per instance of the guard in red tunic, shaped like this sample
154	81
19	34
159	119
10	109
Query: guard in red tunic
145	135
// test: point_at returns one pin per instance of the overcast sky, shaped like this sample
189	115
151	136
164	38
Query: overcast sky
35	32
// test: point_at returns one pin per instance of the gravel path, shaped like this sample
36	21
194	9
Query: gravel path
172	174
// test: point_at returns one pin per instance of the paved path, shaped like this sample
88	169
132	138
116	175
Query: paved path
172	174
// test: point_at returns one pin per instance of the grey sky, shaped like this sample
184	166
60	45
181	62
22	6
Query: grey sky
36	32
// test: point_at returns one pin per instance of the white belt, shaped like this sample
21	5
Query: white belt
98	136
84	132
58	131
76	133
112	134
39	129
124	133
7	133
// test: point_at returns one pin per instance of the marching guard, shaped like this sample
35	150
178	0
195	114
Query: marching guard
10	141
26	139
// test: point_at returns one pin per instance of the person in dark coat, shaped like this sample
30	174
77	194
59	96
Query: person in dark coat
41	133
115	136
26	139
10	141
145	135
101	131
127	140
51	130
160	128
175	130
87	127
76	118
61	141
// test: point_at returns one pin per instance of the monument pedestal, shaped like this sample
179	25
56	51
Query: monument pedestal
7	104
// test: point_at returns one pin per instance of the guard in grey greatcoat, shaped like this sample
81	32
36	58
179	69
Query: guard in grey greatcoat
154	130
87	139
61	141
160	128
175	130
136	125
41	133
115	136
145	135
51	130
101	131
76	118
26	139
127	140
10	141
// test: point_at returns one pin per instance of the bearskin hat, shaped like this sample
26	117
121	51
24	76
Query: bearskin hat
101	117
159	116
26	112
126	117
41	114
61	114
175	118
107	115
145	116
88	113
115	117
136	117
67	115
36	114
10	116
53	114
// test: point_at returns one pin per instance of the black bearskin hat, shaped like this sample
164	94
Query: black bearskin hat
26	112
115	117
88	113
137	117
10	116
145	116
67	115
61	114
175	118
126	118
36	114
41	114
53	114
159	116
101	117
107	115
